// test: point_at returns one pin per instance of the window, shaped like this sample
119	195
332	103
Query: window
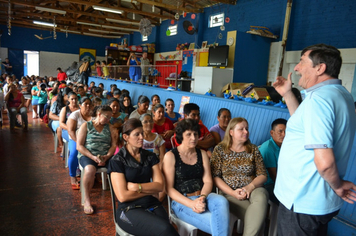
216	20
173	29
144	37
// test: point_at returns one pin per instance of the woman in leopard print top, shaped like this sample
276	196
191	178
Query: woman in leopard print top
238	171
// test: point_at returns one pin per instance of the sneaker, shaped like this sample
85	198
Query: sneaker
17	124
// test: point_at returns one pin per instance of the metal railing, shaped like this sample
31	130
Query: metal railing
162	76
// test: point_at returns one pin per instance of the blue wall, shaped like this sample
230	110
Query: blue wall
312	22
24	39
326	21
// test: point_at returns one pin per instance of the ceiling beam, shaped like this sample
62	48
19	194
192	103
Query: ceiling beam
231	2
115	8
167	6
83	13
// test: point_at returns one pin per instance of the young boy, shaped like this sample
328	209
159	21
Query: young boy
105	69
98	69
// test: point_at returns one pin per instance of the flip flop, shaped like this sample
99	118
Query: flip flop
88	210
76	186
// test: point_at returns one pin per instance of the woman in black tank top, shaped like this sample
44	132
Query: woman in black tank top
66	111
189	183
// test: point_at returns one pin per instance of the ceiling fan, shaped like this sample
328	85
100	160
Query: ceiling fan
41	37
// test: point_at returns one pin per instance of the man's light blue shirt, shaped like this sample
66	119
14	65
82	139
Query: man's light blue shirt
270	152
325	119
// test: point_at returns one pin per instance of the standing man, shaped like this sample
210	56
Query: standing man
145	62
270	153
315	152
61	76
7	66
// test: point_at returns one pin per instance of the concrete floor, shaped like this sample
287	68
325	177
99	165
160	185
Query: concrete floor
36	197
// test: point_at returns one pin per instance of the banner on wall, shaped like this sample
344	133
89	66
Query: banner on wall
88	54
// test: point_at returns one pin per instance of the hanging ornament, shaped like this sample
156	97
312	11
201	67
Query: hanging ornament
176	16
220	36
133	16
168	32
172	22
66	31
192	16
227	19
54	28
153	8
9	20
222	28
160	20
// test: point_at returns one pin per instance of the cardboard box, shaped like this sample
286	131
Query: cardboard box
234	88
259	93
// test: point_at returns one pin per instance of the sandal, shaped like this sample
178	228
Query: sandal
88	210
76	186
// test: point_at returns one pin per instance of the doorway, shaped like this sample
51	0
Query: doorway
31	63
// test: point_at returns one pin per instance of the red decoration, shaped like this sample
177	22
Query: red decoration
192	16
172	22
227	19
190	28
184	14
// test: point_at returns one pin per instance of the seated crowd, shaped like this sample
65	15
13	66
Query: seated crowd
151	152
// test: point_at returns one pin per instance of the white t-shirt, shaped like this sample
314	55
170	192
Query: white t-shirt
77	116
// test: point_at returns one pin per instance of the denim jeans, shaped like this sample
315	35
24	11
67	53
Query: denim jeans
65	135
12	115
215	220
72	159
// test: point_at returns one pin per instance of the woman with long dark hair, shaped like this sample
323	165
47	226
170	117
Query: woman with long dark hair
56	107
126	104
75	120
136	177
142	107
96	145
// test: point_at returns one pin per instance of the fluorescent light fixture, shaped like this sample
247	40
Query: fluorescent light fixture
123	21
85	23
104	31
44	23
99	35
70	31
119	28
51	10
99	8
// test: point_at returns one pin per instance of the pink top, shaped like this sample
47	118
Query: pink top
16	102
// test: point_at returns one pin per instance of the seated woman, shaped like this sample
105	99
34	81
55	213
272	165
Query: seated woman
111	93
96	145
75	120
170	114
125	104
142	107
189	183
65	113
239	172
136	177
218	130
118	118
26	91
162	125
56	107
155	99
16	104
